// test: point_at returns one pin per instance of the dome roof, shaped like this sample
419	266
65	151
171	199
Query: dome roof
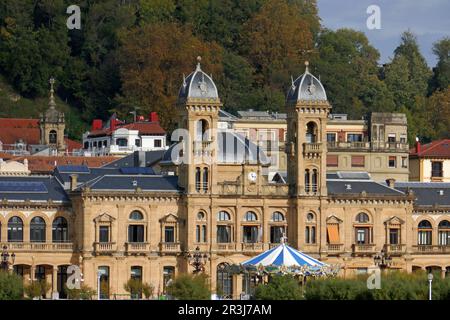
306	87
198	85
233	148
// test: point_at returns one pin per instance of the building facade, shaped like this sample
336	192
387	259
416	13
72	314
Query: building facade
213	196
430	162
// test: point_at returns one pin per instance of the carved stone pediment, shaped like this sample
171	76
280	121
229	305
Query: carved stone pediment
394	221
104	217
170	218
333	219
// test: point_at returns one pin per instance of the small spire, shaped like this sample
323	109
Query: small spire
199	59
52	102
306	66
292	83
184	81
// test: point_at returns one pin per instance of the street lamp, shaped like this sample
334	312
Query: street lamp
430	280
197	260
5	261
382	260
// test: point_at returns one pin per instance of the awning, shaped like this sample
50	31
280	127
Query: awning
333	233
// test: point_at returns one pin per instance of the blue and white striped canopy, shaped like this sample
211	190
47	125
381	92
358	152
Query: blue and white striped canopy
283	255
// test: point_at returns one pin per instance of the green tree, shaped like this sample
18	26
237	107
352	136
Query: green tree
37	288
11	286
190	287
441	73
347	66
84	293
156	10
280	287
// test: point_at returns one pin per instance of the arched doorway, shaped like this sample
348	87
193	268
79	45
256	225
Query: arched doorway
104	282
224	282
61	281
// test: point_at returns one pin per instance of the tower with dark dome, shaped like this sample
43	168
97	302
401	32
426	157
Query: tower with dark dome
198	112
52	124
307	113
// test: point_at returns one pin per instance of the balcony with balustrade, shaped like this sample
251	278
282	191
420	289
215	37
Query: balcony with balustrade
39	246
395	249
169	247
101	248
312	148
431	249
224	247
335	248
137	248
363	249
256	247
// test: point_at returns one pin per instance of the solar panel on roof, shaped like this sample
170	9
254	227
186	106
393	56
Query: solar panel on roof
71	168
22	186
137	170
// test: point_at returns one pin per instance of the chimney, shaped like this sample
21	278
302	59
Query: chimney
140	118
417	146
113	124
390	182
73	182
97	124
153	117
139	158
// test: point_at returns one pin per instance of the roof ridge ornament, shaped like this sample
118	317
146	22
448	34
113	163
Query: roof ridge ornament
292	83
199	59
184	81
306	66
52	102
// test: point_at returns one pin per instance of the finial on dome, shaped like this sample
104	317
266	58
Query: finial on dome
52	102
184	81
199	59
292	83
306	66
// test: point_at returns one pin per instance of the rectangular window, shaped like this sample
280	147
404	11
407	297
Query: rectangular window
437	169
392	161
362	235
354	137
250	234
169	234
276	232
204	234
157	143
444	238
358	161
223	234
391	137
135	233
103	234
197	234
332	160
137	142
333	233
424	238
331	137
394	236
402	139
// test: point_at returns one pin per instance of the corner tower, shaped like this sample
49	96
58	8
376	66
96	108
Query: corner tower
198	112
307	113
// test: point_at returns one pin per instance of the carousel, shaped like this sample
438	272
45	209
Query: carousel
282	259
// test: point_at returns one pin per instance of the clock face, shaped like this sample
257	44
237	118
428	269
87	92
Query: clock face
252	176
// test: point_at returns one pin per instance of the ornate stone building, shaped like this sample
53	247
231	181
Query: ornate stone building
213	194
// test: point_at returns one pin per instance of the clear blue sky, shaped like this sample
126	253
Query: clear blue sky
429	20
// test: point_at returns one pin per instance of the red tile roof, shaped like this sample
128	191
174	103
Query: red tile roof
46	164
145	128
12	130
437	149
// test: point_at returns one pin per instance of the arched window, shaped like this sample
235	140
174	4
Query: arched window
205	179
15	229
52	137
200	216
223	216
103	271
250	216
307	182
277	216
424	236
314	180
168	275
310	217
224	281
311	132
362	218
198	180
202	130
444	233
37	229
224	229
60	231
136	215
136	231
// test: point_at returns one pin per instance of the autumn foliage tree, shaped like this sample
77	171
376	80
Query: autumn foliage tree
152	61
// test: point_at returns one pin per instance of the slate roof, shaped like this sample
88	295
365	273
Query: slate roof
306	87
427	194
131	182
198	85
343	186
150	158
53	189
144	128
